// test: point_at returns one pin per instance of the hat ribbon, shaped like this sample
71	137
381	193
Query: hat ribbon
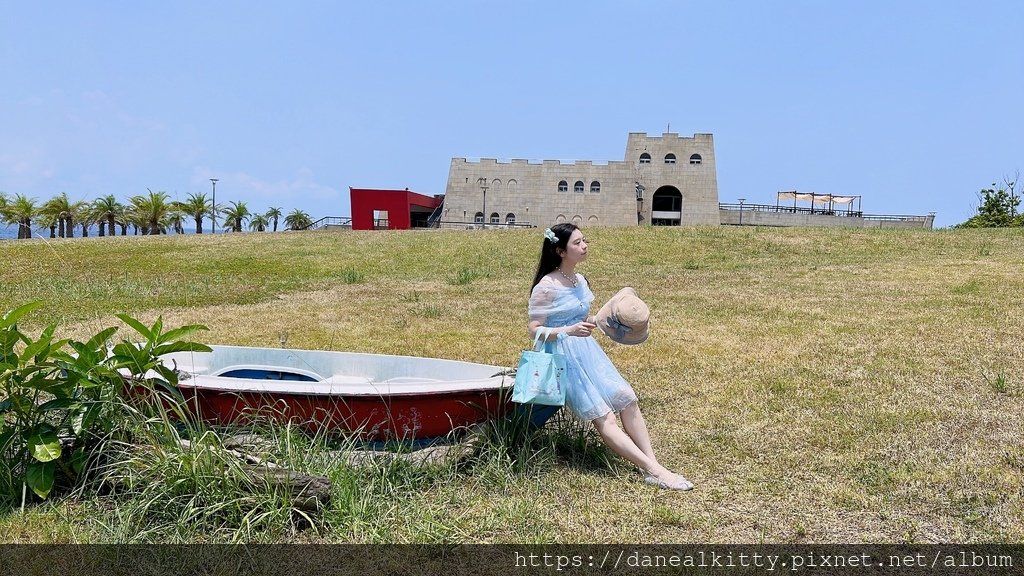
619	328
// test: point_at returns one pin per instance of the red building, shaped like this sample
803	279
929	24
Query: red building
391	209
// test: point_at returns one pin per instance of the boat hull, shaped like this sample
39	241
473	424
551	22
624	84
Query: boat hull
408	417
370	396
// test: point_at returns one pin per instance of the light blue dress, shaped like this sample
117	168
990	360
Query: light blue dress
594	386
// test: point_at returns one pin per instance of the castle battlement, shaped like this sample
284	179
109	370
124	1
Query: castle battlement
678	175
671	136
521	162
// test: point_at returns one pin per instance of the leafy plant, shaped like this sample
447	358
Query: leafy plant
999	383
142	360
997	209
57	402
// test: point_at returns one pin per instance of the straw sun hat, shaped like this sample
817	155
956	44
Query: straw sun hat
625	318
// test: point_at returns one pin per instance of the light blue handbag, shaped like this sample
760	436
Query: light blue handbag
540	375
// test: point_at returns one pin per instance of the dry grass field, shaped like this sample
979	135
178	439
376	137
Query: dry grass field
817	385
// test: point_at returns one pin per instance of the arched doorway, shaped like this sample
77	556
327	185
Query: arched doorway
666	206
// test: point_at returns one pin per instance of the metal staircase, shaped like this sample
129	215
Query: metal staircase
328	221
433	221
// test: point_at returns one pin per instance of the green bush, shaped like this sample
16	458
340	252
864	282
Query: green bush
57	403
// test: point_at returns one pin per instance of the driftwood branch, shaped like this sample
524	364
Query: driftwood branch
311	493
307	492
429	456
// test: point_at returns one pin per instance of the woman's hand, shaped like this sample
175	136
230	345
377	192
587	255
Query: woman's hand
581	329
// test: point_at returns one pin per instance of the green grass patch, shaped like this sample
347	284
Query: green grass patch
817	385
465	276
350	276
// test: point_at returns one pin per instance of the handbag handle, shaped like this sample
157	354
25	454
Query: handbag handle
540	334
540	342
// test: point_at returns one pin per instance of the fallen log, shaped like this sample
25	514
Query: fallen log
305	492
438	454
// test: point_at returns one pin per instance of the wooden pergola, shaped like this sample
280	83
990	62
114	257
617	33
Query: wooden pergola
831	200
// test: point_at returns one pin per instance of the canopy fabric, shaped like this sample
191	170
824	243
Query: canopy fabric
817	198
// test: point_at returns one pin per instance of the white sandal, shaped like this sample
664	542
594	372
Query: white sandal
680	483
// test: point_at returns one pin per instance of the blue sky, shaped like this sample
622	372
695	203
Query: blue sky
913	105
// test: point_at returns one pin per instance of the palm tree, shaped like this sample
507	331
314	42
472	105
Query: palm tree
175	218
48	220
74	212
273	214
86	216
297	220
20	211
139	223
259	223
196	206
57	211
107	210
61	213
235	214
122	216
149	212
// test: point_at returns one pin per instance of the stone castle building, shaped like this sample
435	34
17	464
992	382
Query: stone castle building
664	180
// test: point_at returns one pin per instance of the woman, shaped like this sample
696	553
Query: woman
559	301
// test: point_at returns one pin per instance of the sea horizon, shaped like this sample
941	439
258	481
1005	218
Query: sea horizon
10	232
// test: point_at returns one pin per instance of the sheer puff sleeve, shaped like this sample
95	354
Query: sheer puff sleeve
541	306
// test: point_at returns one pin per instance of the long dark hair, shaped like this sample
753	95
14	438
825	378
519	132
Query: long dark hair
549	258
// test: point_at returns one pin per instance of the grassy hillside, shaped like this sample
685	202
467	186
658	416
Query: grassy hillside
817	385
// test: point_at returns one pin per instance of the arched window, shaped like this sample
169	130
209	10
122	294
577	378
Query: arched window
560	218
578	187
645	158
592	221
577	219
495	219
479	218
510	218
563	186
595	187
670	158
695	159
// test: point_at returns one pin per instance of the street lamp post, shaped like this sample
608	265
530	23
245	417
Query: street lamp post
639	200
483	186
741	211
213	215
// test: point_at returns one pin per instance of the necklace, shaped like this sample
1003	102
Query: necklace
570	279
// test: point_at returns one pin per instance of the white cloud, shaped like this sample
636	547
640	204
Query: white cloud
300	191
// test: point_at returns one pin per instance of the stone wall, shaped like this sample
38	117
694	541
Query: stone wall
762	218
594	194
696	179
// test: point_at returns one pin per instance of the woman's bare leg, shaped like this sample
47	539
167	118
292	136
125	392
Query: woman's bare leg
636	427
634	444
623	445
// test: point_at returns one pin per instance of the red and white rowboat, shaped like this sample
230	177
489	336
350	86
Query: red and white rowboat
374	396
